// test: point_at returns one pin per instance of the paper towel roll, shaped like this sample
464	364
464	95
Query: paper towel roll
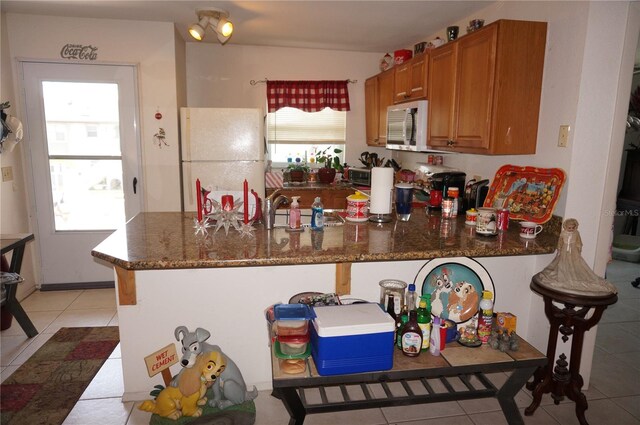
381	190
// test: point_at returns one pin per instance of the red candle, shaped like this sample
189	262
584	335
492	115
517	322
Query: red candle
246	202
199	199
227	202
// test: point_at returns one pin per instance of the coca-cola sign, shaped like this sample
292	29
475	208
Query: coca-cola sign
78	51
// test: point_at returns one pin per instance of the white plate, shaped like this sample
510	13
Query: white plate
356	220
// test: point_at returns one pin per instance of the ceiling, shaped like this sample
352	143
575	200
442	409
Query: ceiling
366	26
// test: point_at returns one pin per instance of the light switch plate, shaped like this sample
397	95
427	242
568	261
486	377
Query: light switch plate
7	174
563	136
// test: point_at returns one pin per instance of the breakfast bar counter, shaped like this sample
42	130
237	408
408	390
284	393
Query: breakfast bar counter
168	277
167	240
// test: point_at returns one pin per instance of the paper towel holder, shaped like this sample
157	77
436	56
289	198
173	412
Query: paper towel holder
380	218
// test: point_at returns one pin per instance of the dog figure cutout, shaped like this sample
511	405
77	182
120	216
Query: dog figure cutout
186	398
230	389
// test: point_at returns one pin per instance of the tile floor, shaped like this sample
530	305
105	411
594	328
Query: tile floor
614	392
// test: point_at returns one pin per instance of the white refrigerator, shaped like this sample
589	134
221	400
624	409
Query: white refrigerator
222	147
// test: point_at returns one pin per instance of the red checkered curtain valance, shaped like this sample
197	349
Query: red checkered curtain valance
309	96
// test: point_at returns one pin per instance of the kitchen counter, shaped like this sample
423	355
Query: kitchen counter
166	240
167	277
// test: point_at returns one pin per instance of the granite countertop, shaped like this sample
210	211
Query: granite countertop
314	186
167	240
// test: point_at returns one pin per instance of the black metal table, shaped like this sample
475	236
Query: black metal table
459	374
16	244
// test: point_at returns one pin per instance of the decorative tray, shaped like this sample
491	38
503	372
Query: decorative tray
530	193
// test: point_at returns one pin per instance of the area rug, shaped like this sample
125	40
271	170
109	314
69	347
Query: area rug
47	386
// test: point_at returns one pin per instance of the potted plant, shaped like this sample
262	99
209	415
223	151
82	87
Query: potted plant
298	172
331	163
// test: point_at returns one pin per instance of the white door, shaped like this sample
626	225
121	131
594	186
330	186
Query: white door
82	135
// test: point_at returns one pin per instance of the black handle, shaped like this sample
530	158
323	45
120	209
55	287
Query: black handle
135	183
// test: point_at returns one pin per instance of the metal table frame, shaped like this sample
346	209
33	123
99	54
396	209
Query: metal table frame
16	244
403	386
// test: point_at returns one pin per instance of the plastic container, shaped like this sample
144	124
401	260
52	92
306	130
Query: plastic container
352	338
292	319
293	344
317	214
411	298
434	340
294	214
485	316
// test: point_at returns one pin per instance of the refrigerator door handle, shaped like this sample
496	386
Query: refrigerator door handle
135	183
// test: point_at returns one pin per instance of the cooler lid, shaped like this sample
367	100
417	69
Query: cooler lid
352	319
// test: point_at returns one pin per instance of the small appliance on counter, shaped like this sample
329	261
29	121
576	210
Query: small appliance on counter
360	176
474	193
445	180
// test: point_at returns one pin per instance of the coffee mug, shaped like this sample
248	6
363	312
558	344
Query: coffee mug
529	229
435	198
486	221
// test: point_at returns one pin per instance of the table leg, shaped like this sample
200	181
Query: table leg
509	390
293	404
16	310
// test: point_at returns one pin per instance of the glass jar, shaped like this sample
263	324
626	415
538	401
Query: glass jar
392	287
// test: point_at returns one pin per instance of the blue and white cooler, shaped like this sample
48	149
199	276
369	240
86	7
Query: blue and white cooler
351	339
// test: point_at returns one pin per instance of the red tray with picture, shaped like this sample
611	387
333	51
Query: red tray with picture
530	193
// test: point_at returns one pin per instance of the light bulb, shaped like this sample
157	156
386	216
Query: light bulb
196	32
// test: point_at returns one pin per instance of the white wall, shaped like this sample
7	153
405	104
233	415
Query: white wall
149	45
218	76
13	203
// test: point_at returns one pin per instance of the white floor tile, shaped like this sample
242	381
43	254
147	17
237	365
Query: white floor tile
7	371
540	417
40	319
103	411
630	404
49	300
613	338
107	382
270	410
116	353
12	346
95	298
599	412
73	318
422	411
139	417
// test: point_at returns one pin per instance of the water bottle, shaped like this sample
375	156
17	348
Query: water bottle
317	215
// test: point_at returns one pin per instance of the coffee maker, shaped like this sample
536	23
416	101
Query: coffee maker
445	180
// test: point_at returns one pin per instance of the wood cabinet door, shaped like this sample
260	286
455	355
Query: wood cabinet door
385	99
372	110
402	82
475	79
418	77
442	89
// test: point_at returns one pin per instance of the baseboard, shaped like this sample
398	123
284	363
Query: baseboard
77	285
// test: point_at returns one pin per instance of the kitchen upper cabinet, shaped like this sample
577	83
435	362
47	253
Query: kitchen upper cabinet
484	89
411	79
378	95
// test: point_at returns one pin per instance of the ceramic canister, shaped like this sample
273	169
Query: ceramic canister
486	221
357	206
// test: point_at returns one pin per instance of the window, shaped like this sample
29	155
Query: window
297	136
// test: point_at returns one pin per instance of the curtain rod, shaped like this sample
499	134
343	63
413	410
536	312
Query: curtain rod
254	82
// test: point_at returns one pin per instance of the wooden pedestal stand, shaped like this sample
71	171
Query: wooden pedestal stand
572	321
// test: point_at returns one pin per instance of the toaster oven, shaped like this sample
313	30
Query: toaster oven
360	176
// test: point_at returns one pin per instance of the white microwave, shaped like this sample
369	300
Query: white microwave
407	126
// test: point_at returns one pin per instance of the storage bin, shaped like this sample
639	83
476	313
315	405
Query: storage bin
351	339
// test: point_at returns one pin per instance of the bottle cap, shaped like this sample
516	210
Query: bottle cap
317	199
486	295
412	287
423	303
436	321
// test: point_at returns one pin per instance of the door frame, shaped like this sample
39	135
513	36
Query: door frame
30	194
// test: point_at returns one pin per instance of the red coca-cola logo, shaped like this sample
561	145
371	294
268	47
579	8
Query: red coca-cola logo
78	51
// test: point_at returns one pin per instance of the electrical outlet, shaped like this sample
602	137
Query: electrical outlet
563	136
7	174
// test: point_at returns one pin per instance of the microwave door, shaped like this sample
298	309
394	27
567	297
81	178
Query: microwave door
411	122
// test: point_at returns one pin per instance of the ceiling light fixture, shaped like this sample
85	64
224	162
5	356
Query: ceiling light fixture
215	18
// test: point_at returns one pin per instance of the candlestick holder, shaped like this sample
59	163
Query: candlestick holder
201	226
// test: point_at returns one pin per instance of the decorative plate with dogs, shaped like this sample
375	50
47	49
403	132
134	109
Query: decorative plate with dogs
455	286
